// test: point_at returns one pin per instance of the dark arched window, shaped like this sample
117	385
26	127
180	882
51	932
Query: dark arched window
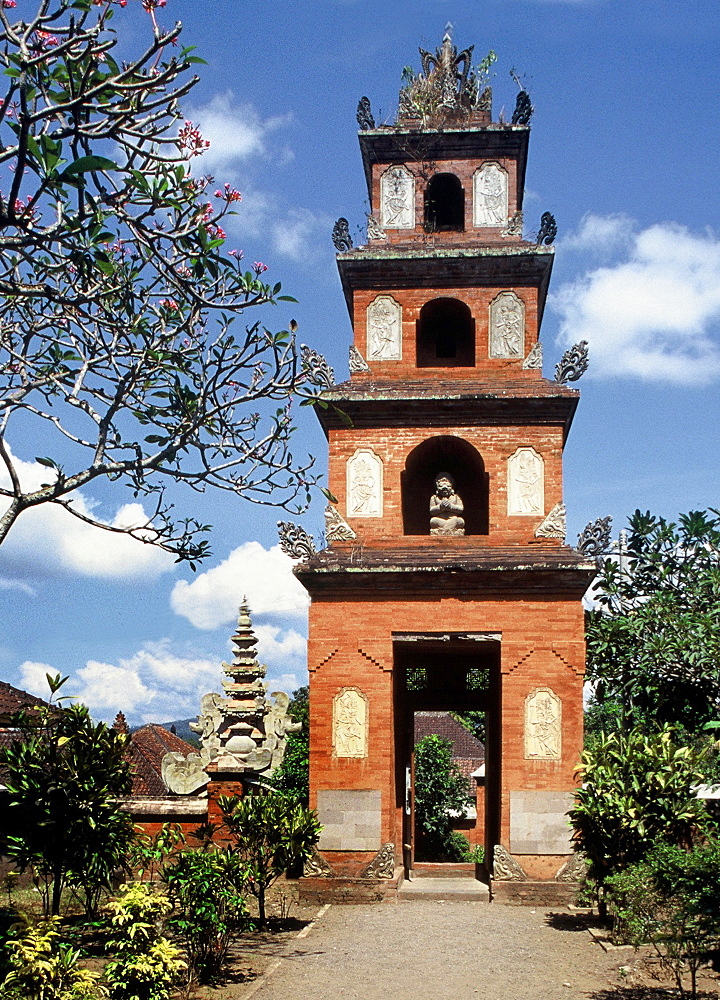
445	335
456	458
444	204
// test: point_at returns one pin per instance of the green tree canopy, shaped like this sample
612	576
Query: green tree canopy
654	644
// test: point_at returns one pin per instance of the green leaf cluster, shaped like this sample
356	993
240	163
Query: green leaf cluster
293	775
42	967
272	832
440	791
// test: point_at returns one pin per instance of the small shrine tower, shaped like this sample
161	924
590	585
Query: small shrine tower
446	584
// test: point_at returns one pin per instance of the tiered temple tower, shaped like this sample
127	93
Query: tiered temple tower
446	583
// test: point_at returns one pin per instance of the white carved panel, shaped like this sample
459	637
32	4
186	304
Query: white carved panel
364	484
507	326
397	199
350	723
490	196
526	482
384	329
543	725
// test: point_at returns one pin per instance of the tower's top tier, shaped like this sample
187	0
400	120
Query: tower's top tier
444	172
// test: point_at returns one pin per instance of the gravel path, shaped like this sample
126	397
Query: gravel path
429	950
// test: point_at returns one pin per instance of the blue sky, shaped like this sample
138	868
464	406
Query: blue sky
624	151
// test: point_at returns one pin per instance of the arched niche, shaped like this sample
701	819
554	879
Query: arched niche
445	335
444	204
459	459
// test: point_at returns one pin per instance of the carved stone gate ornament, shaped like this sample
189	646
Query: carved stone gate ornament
507	326
384	329
350	723
526	482
397	199
543	725
505	867
364	484
490	196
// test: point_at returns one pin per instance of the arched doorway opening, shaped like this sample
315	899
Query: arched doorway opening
457	458
444	204
445	335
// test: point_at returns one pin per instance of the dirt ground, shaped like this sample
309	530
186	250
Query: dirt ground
432	950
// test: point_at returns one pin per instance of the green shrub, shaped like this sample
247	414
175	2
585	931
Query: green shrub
637	788
671	900
273	833
146	965
206	889
42	967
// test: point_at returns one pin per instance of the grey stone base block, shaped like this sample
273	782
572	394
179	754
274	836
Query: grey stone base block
351	819
539	824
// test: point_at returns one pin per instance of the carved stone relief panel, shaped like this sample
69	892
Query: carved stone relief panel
350	723
526	482
490	196
384	329
364	484
397	199
507	326
543	725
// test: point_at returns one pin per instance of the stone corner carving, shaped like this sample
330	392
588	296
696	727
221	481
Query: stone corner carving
535	357
543	725
356	362
295	541
573	363
350	723
554	524
574	869
374	230
514	226
505	867
316	866
594	539
382	865
336	527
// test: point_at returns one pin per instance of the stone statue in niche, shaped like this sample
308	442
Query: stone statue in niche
446	508
350	723
490	196
543	731
384	329
397	199
507	326
526	482
364	485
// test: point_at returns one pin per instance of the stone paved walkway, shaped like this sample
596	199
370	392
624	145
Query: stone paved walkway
432	950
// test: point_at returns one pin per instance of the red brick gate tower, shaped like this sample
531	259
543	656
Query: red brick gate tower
446	583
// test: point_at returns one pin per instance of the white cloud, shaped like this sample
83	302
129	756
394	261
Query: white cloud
297	235
47	537
236	133
10	584
654	315
264	576
158	684
601	234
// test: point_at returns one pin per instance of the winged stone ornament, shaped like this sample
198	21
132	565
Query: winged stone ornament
295	541
342	241
523	109
316	368
364	114
548	229
572	364
594	539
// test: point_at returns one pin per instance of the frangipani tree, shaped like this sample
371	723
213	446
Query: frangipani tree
124	351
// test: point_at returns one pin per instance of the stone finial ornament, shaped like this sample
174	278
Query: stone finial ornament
553	524
535	357
594	539
572	364
374	230
505	867
295	541
365	118
342	241
356	362
523	109
446	508
382	865
239	730
336	527
548	229
120	724
315	368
